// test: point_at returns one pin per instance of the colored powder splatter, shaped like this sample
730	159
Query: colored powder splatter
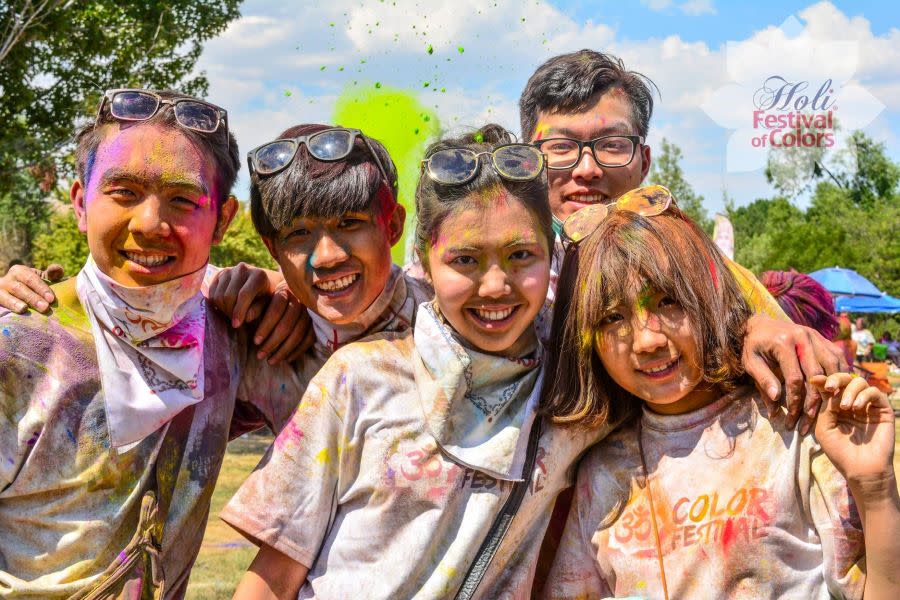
378	85
288	93
397	119
461	49
322	457
430	49
479	138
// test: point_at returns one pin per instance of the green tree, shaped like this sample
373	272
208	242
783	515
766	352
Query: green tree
61	242
666	170
871	174
242	244
57	57
834	230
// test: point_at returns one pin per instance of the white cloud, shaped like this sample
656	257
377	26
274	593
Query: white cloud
696	8
267	67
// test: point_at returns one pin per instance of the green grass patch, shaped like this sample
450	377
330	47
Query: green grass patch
225	554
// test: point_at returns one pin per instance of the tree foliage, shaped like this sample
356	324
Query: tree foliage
242	244
666	170
852	221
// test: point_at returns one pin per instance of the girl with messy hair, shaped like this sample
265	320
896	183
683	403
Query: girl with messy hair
699	494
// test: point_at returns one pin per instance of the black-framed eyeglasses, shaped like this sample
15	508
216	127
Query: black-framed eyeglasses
328	145
607	150
139	105
457	166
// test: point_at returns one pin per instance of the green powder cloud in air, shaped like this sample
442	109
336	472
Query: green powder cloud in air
397	119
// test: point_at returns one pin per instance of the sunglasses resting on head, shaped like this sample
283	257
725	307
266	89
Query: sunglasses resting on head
647	201
140	105
458	166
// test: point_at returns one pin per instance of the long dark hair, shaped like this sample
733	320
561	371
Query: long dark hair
673	256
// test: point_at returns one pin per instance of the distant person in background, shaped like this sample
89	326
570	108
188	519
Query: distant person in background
893	347
804	300
844	338
864	341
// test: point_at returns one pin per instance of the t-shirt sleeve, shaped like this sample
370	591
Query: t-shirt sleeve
575	572
758	297
289	500
267	394
836	519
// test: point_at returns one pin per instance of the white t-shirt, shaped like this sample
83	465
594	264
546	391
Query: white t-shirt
743	508
394	466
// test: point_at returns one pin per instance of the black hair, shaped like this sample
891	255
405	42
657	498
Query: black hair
571	82
436	201
309	187
222	152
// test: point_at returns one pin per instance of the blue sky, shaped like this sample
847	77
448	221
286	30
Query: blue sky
286	63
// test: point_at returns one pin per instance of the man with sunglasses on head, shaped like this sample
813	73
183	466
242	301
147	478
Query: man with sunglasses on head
324	201
117	405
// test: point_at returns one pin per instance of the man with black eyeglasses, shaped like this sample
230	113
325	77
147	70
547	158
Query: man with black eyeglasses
116	406
590	116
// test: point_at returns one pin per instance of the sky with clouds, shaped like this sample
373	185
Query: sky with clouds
284	63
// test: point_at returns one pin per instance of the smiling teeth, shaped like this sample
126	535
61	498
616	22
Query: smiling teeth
147	260
336	285
493	315
660	369
588	198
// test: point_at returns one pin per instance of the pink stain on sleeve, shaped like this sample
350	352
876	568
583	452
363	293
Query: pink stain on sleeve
290	435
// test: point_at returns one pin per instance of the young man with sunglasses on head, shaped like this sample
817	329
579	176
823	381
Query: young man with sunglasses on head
117	405
324	201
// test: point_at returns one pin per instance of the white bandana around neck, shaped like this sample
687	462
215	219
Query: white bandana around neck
392	310
149	349
479	407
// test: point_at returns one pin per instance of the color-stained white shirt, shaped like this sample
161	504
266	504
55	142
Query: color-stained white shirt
69	502
398	459
743	509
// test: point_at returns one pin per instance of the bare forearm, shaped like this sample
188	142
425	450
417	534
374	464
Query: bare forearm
879	509
271	576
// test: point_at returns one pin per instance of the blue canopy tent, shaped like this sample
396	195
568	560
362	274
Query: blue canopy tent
867	304
854	293
845	282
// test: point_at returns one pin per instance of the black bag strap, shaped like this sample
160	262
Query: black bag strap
501	524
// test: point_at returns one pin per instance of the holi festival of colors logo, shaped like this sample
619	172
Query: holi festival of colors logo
791	91
790	117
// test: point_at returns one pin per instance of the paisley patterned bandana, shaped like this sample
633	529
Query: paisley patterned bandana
149	349
479	407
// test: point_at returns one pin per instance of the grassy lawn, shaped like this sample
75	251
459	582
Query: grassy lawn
225	554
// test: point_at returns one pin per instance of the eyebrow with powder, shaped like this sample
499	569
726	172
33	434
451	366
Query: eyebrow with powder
129	176
616	128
